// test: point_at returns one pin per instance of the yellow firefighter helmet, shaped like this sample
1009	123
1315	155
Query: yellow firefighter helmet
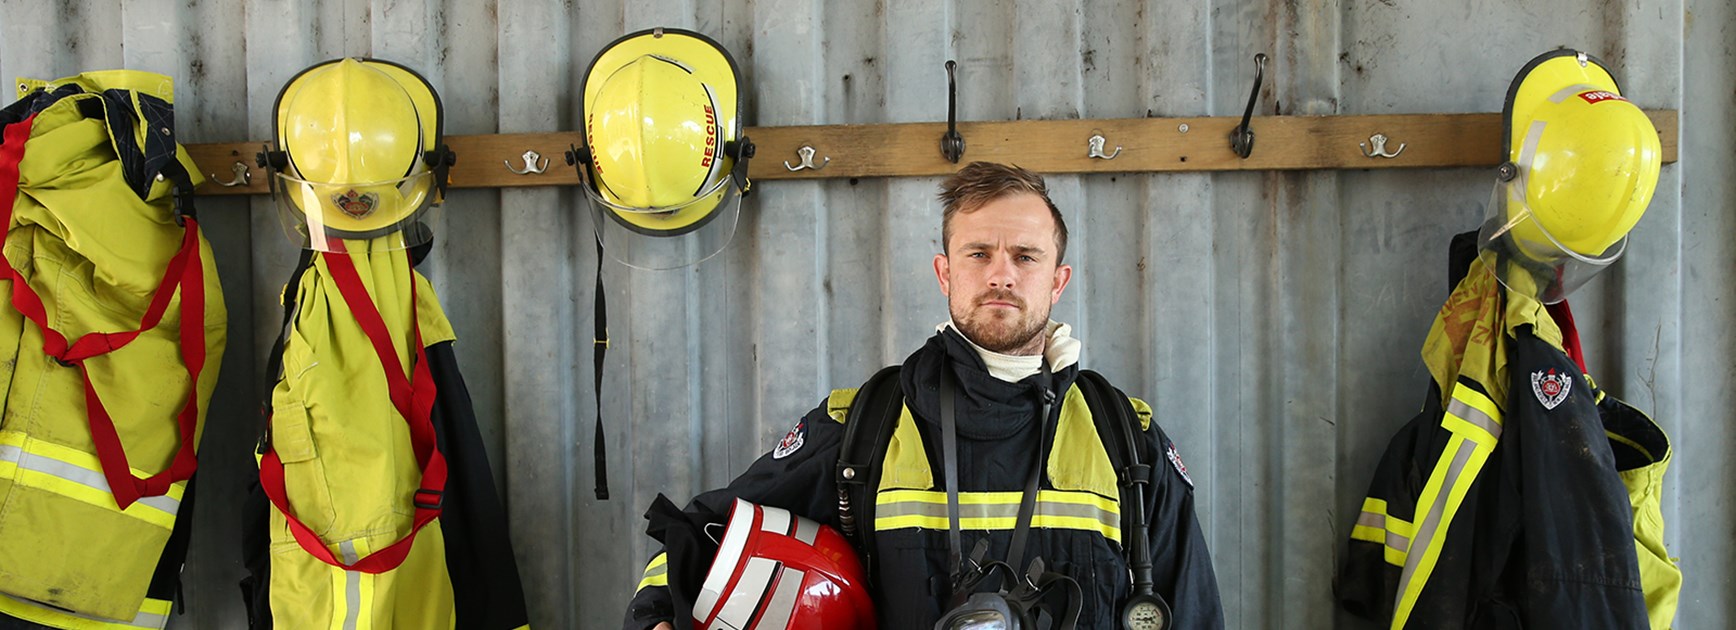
1582	164
664	153
359	155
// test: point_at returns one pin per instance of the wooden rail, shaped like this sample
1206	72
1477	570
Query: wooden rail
1146	145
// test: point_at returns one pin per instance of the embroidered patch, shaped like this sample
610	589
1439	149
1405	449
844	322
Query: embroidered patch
1551	388
792	441
355	204
1175	460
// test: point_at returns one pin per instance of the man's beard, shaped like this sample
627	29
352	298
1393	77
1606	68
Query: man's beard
1000	334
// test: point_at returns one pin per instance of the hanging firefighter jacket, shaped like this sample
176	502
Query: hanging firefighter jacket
1522	496
382	510
111	337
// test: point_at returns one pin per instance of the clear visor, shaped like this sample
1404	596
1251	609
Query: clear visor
668	237
1527	259
376	216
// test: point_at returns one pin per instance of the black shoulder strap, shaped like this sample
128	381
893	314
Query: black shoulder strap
868	429
1118	427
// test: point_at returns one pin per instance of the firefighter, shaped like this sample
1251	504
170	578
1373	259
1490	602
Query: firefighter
993	423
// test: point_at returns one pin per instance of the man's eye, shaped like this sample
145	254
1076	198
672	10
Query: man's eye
1027	258
978	255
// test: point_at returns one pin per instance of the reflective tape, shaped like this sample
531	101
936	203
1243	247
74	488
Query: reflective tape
77	475
656	572
1055	509
153	613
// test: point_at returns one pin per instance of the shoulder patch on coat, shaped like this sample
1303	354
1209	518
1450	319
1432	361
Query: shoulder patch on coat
1175	460
1551	387
792	441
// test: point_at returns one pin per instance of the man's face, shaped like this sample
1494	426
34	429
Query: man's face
1000	273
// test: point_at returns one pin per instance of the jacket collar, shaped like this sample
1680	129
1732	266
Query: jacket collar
988	408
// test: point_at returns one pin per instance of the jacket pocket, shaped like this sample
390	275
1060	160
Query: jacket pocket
304	475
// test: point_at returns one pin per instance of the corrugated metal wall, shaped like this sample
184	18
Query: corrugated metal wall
1273	318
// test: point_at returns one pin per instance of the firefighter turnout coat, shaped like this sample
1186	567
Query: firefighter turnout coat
1076	528
383	512
110	342
1522	495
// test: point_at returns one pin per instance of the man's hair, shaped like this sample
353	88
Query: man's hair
981	182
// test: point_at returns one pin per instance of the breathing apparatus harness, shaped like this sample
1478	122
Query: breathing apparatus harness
1022	607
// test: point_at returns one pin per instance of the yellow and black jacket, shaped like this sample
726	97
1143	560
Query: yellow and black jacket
109	352
1076	529
1521	496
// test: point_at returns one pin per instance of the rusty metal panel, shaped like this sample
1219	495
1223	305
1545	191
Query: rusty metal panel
1272	319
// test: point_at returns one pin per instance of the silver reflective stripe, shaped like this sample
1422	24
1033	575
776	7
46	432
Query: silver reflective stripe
996	510
783	601
775	520
1397	542
352	586
1431	521
1378	521
738	610
1528	151
35	462
1370	519
806	530
1562	94
1474	416
728	554
661	569
142	620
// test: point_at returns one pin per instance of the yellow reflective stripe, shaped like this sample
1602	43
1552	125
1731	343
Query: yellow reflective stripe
78	476
153	613
656	573
1056	509
1453	474
1377	526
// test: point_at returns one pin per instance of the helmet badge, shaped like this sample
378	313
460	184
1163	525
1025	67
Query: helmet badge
357	205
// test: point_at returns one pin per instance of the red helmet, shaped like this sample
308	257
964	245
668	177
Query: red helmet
775	570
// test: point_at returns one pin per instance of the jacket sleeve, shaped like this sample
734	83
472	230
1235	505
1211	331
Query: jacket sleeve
1181	566
1368	578
795	475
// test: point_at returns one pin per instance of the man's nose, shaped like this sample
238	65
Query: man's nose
1002	273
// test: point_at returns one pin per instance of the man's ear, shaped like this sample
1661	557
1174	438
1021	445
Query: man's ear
943	273
1063	274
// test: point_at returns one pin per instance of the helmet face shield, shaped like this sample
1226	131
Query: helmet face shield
686	234
322	216
1527	258
358	160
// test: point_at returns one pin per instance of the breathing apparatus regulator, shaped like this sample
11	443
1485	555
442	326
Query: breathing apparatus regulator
1028	605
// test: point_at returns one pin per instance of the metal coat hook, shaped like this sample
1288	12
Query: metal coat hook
534	164
805	160
1379	150
1242	137
952	144
243	177
1094	148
